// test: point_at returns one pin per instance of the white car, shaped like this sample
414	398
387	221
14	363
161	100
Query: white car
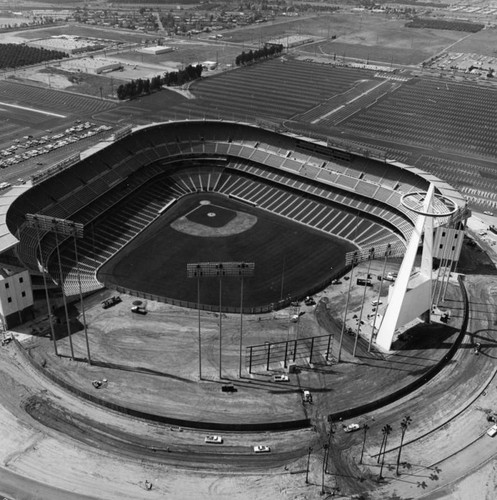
488	213
214	439
351	427
280	378
261	449
492	431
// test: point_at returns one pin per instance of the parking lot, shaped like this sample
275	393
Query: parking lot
30	147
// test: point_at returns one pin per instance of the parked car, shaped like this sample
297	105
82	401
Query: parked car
111	301
309	301
214	439
280	378
351	427
138	310
492	431
261	449
307	397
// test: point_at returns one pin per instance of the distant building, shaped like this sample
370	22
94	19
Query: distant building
291	41
156	50
54	14
96	65
209	65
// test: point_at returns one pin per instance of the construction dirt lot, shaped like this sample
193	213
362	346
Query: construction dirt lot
56	445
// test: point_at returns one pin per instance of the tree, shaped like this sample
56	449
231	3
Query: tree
121	94
365	429
406	421
387	429
146	86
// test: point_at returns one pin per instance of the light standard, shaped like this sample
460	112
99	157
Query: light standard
325	460
309	451
370	258
353	263
66	228
388	251
219	270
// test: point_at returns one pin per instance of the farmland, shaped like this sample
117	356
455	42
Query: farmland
484	43
274	89
442	116
382	40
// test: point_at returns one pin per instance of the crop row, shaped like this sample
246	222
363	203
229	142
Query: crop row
428	113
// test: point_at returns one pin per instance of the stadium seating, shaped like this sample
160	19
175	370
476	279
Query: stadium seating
118	191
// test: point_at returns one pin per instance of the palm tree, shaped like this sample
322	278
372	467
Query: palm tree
365	429
387	429
406	421
381	448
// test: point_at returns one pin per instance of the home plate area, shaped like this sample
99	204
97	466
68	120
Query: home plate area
209	220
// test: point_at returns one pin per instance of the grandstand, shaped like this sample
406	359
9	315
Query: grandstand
117	191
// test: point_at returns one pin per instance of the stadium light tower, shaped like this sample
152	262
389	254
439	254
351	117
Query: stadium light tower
352	264
219	270
358	330
33	222
66	228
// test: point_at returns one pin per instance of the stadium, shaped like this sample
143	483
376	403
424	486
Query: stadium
276	280
132	215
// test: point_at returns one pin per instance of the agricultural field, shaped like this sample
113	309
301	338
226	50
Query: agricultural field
449	115
255	35
382	39
276	89
484	43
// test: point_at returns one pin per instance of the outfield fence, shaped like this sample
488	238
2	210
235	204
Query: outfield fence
265	308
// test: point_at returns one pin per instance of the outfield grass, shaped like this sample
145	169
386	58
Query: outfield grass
289	258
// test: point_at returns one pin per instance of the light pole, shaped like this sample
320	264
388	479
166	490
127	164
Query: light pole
219	270
365	429
34	223
370	258
325	460
387	253
245	269
61	284
309	451
66	228
353	263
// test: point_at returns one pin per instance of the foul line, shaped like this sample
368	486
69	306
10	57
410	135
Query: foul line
33	110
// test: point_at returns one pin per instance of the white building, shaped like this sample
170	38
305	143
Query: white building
16	298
